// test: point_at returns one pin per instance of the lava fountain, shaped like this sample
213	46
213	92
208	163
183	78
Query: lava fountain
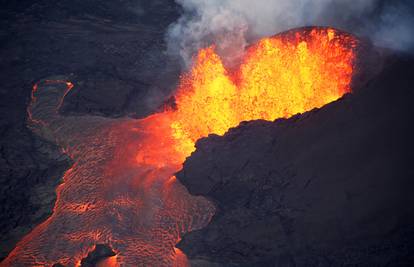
121	189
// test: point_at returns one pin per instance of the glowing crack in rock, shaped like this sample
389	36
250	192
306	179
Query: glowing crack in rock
121	189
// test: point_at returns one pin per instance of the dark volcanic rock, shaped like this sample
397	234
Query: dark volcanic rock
118	46
31	169
331	187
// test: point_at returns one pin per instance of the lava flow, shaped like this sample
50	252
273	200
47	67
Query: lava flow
121	190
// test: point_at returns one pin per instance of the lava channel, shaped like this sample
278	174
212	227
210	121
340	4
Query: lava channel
121	189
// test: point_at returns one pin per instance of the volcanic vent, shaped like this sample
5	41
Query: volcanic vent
121	190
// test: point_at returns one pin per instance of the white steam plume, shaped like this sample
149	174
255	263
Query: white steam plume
232	24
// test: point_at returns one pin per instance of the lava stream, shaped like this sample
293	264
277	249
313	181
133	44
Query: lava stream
121	189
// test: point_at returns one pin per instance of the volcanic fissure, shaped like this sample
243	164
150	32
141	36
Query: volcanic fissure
121	189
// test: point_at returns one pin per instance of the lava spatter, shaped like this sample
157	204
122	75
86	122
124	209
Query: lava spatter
280	76
121	190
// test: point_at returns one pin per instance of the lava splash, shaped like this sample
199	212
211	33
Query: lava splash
121	190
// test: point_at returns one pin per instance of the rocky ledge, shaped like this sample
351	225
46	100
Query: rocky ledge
331	187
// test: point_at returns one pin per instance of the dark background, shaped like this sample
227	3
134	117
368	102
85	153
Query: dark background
115	53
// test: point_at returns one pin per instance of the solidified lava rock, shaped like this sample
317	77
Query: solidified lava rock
31	169
331	187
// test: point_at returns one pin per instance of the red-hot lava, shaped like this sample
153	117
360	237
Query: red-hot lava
121	189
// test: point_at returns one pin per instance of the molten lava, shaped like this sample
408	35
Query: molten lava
121	189
280	76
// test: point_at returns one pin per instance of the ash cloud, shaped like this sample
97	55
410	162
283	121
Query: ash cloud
232	24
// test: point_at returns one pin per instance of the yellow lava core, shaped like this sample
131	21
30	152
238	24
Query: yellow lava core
279	76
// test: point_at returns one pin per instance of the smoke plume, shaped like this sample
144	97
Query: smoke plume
233	24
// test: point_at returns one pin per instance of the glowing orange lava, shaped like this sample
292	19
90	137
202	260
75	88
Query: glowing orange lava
280	76
121	189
